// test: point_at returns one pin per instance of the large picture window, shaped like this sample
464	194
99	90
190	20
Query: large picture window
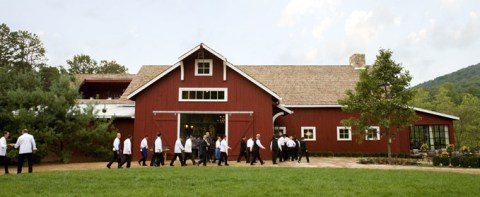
203	67
309	133
435	136
344	133
373	133
203	94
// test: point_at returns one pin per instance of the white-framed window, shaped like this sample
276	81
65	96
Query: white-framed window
344	133
373	133
309	133
203	67
280	130
203	94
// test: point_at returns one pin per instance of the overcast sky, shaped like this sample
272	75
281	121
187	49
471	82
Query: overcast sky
429	37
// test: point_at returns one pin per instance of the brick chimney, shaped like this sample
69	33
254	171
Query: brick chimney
357	61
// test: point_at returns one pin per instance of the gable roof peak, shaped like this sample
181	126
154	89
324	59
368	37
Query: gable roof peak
199	47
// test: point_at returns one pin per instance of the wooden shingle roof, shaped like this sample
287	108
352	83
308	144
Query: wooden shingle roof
306	85
297	85
145	74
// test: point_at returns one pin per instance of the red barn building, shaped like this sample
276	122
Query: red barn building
204	92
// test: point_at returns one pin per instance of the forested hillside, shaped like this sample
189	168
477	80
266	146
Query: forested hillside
466	80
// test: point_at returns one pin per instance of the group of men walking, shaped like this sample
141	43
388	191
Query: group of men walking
26	145
283	148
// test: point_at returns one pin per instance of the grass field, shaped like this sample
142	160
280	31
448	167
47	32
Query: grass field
240	181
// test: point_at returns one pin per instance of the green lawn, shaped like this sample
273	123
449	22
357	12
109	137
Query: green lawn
240	181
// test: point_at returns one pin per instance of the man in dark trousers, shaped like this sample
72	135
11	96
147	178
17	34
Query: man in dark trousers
203	150
127	151
3	150
243	150
303	150
144	151
116	151
27	146
275	148
256	150
178	152
211	147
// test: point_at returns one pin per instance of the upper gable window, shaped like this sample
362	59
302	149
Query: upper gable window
203	67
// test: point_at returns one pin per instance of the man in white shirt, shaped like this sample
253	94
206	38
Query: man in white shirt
158	149
217	149
281	141
127	151
285	148
223	151
188	150
116	151
256	150
144	151
27	146
3	150
291	147
249	149
178	152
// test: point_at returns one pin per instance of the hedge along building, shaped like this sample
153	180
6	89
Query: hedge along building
204	92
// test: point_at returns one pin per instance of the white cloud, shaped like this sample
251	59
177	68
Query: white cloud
362	27
320	29
312	56
451	4
296	9
448	35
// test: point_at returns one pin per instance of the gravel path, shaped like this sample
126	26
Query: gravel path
315	162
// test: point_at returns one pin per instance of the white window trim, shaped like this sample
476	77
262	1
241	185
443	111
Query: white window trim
210	61
314	133
180	91
284	129
349	133
378	134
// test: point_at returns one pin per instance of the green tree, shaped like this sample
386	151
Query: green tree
422	99
444	99
43	100
84	64
380	98
111	67
467	129
20	50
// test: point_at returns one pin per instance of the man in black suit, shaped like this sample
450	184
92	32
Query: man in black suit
303	150
243	149
256	150
203	151
275	148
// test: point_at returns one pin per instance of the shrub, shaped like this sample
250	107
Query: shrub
445	161
436	160
464	162
384	160
455	161
474	162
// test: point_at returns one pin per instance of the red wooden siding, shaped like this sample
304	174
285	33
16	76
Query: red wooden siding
243	95
326	121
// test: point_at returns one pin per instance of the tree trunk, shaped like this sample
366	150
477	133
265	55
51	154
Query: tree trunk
389	147
389	141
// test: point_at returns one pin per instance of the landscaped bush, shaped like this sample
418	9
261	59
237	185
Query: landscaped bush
436	160
463	161
358	154
445	161
390	161
469	161
455	161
